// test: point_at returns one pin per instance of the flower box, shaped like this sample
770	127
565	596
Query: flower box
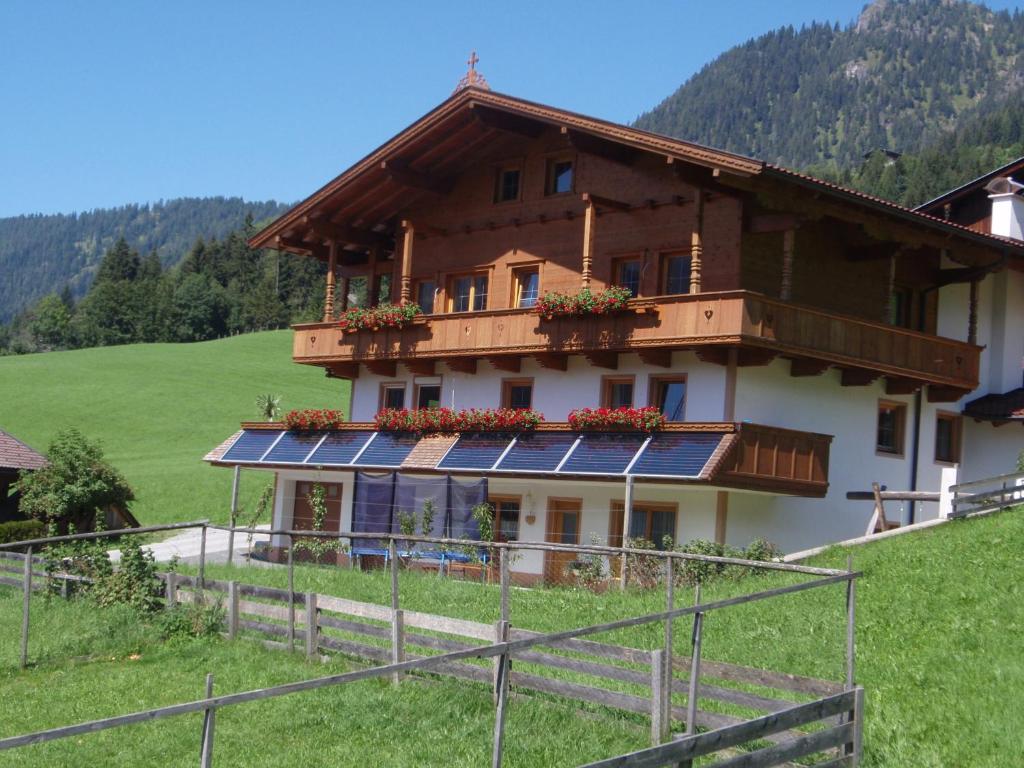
313	419
433	420
648	419
584	303
381	317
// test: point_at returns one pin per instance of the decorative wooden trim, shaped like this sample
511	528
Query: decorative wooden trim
509	363
786	290
898	386
387	368
343	370
697	242
552	361
858	377
661	358
332	265
603	359
462	364
804	366
421	367
940	394
588	244
407	240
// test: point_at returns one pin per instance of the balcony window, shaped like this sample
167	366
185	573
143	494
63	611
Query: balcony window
558	179
617	392
626	274
358	292
468	293
892	418
392	396
668	393
517	394
384	288
425	292
428	395
675	274
506	517
506	186
947	438
526	283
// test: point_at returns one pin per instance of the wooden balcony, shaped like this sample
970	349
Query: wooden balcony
757	327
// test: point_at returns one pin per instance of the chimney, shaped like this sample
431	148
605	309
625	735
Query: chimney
1007	207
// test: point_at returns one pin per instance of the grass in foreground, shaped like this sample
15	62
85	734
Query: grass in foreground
159	408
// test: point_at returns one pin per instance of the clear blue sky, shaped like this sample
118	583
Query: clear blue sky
115	101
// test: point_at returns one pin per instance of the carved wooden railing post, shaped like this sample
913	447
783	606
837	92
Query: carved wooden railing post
332	265
697	242
786	291
410	234
589	219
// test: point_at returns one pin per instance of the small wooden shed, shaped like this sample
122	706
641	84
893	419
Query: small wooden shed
15	457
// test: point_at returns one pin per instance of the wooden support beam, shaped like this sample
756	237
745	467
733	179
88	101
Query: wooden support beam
387	368
603	148
342	371
294	244
873	252
804	366
786	289
755	357
374	295
700	177
772	222
605	202
661	358
945	394
506	121
409	234
697	243
588	243
899	386
332	265
510	363
554	361
717	354
400	173
421	367
603	359
972	314
321	229
858	377
462	364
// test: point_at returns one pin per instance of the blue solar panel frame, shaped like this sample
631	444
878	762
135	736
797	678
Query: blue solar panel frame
605	453
537	452
388	449
251	445
677	454
293	448
476	451
339	448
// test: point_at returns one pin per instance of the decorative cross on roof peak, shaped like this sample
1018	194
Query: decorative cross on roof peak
472	78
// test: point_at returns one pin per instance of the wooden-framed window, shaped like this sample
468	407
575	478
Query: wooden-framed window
392	395
382	288
892	423
947	437
426	290
517	393
507	183
626	273
650	521
617	391
525	286
675	274
506	517
668	394
901	307
558	176
467	293
428	395
358	292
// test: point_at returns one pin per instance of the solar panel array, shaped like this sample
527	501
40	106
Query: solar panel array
664	454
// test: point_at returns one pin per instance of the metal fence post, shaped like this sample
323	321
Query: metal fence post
397	642
206	744
26	602
232	610
291	597
657	697
504	670
312	626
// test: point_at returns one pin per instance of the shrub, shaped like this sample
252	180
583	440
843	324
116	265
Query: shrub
191	619
648	419
311	419
642	570
21	530
586	302
432	420
382	316
134	582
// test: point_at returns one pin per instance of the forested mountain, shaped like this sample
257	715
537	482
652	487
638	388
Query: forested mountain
42	253
901	77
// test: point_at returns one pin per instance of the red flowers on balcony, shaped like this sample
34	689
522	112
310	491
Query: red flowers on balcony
607	302
648	419
312	419
383	316
430	420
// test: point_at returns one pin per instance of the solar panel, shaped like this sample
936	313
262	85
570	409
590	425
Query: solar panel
251	445
605	453
339	448
293	447
677	454
537	452
475	451
388	449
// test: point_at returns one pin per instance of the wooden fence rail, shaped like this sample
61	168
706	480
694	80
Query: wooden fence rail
988	495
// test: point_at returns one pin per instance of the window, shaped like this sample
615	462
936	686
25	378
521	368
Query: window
506	186
617	392
892	418
428	395
468	293
558	177
526	286
506	517
947	438
383	288
517	393
900	307
358	292
652	522
668	393
626	274
675	274
392	396
425	291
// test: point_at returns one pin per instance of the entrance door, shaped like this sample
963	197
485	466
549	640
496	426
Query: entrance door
302	512
564	519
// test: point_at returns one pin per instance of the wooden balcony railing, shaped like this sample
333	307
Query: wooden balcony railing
706	321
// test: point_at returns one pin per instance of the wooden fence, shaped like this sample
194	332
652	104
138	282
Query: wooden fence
988	495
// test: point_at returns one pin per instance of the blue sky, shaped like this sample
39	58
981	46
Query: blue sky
106	103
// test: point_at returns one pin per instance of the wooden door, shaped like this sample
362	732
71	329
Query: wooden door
564	522
302	511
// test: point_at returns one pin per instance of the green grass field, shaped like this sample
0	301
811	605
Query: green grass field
159	408
940	651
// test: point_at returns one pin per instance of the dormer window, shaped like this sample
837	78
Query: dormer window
558	179
506	188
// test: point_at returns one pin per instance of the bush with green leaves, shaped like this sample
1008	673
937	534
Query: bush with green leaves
191	619
134	582
21	530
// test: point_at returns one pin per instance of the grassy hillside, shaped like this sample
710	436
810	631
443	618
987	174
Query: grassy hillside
158	408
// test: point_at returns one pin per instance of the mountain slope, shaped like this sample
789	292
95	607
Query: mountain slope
899	77
41	253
